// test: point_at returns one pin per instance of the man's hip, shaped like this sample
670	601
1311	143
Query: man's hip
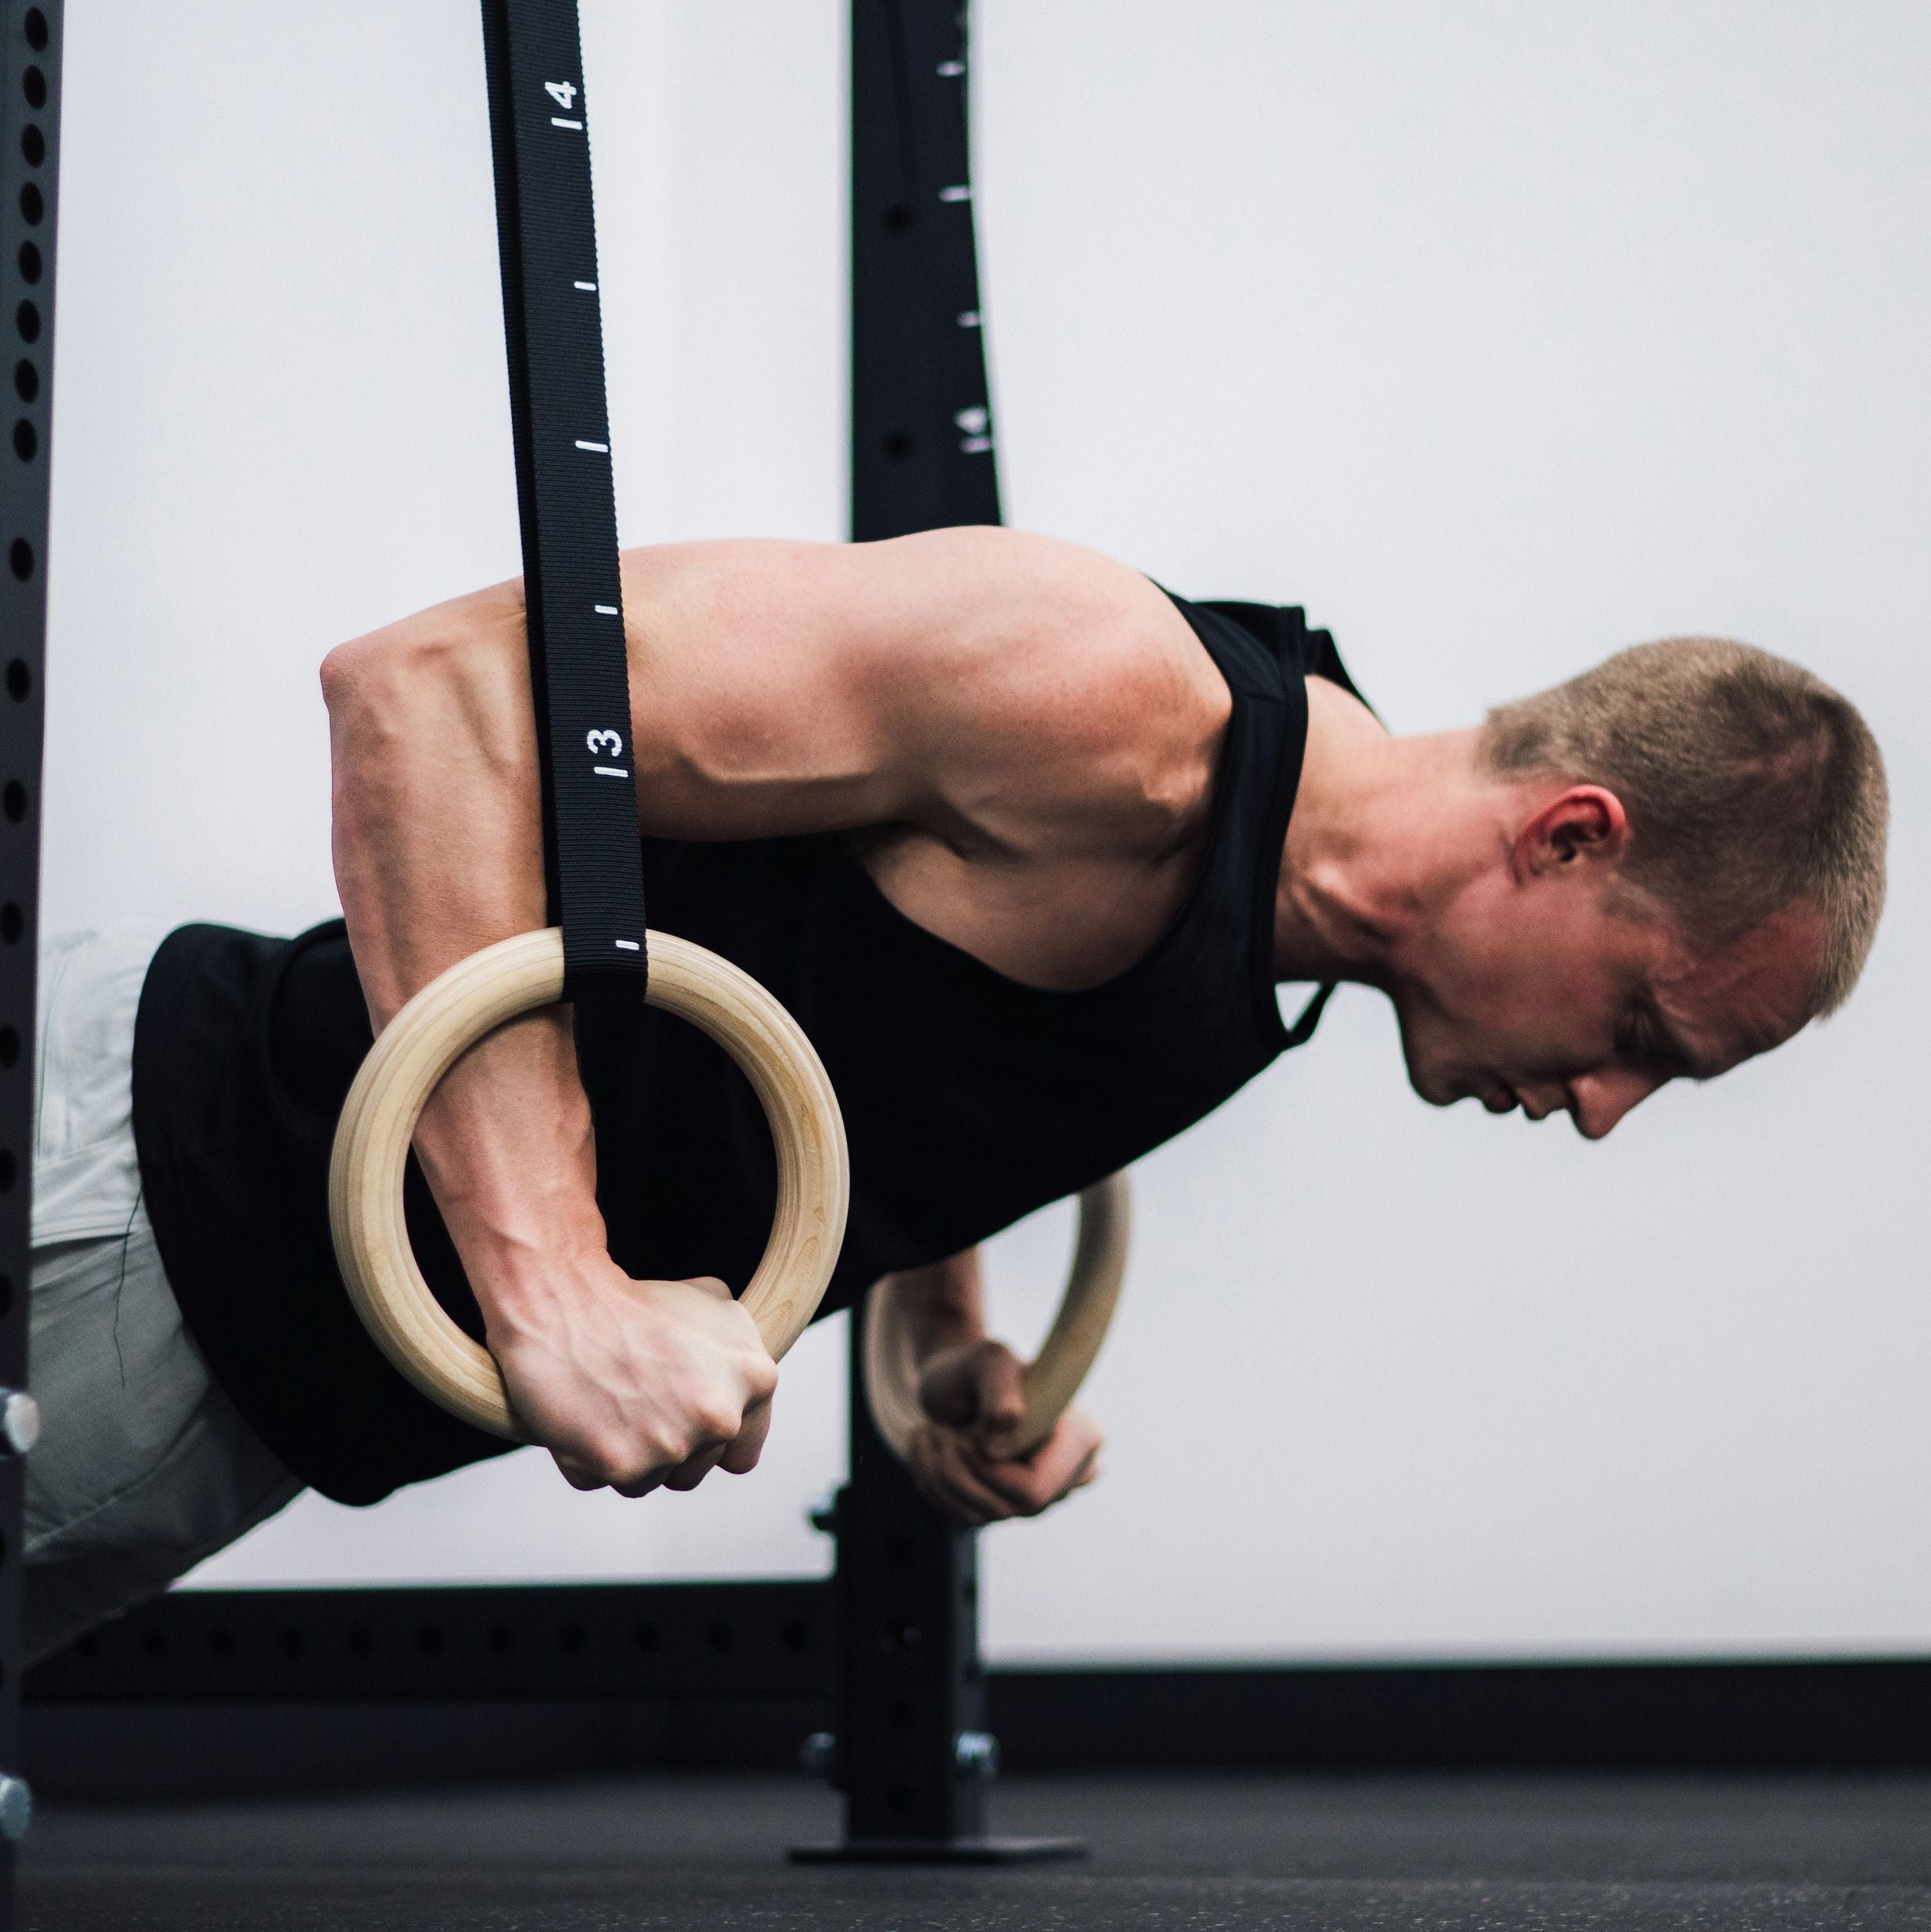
144	1467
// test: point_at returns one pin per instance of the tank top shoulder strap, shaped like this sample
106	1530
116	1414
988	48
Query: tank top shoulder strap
1266	652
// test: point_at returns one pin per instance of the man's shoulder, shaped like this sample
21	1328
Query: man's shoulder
1065	644
1058	700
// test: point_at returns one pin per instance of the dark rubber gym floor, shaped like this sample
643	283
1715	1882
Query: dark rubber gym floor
1392	1854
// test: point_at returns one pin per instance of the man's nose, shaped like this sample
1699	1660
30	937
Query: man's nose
1600	1100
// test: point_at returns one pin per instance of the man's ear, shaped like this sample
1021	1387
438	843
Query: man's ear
1583	823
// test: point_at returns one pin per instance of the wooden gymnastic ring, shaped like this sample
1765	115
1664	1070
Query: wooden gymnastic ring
447	1016
1052	1379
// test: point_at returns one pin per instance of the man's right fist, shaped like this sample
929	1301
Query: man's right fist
634	1384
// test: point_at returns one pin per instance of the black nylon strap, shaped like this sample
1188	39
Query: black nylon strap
552	326
1303	1030
922	437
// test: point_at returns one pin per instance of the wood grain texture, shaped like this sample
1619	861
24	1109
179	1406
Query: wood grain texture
1053	1377
479	993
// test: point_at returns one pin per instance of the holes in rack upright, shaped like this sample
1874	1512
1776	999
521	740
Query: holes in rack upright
26	380
13	801
33	145
19	678
26	441
20	558
32	266
33	206
36	26
13	924
33	85
9	1058
27	319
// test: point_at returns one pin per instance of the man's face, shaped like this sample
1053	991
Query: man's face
1548	989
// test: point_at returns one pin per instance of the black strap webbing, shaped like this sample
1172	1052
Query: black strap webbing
553	324
922	437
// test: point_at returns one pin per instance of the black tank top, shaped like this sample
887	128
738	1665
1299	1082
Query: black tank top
969	1099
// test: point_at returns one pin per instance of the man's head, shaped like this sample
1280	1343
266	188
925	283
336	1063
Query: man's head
1693	868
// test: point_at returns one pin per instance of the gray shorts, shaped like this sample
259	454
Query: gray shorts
144	1467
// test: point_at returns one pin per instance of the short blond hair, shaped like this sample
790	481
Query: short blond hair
1750	783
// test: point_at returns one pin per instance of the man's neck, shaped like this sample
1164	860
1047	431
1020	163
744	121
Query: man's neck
1384	828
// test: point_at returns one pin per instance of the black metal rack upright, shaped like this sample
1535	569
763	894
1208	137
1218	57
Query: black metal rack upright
29	148
911	1754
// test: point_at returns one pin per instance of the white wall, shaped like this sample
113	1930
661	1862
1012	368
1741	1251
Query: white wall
1499	337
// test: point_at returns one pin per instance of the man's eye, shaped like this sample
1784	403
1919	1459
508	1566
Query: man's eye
1640	1047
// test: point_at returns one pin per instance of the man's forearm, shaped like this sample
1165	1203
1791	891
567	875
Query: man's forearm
438	852
944	1304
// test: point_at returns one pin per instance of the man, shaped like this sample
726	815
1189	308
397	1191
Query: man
1024	842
